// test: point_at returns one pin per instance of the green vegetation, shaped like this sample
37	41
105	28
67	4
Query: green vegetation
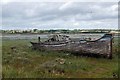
20	61
64	31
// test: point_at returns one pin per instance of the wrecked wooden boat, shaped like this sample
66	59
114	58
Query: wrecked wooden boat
101	46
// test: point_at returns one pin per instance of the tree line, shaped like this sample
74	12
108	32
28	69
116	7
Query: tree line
64	31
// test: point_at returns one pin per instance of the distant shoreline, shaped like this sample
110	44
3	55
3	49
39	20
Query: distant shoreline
37	31
56	33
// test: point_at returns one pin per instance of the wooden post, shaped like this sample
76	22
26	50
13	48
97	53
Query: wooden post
111	48
110	52
38	39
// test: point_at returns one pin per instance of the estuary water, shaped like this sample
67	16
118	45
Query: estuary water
35	36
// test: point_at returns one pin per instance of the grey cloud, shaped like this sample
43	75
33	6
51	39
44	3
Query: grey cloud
21	13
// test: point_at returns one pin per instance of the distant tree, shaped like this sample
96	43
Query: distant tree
25	31
52	31
34	30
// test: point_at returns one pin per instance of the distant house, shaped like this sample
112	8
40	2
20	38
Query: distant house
114	32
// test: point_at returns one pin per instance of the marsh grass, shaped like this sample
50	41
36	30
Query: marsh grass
23	62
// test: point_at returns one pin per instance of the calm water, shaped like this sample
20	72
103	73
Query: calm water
35	36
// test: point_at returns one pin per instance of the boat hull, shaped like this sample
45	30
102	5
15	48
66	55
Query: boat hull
102	46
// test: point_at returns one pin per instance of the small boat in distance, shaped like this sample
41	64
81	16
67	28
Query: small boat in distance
101	46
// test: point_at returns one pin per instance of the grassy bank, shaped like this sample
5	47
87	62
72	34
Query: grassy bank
23	62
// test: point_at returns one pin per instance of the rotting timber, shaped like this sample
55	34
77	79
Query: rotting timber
101	46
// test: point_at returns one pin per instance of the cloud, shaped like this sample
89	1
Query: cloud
47	15
66	5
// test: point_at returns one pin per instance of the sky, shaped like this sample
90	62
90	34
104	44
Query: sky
58	15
